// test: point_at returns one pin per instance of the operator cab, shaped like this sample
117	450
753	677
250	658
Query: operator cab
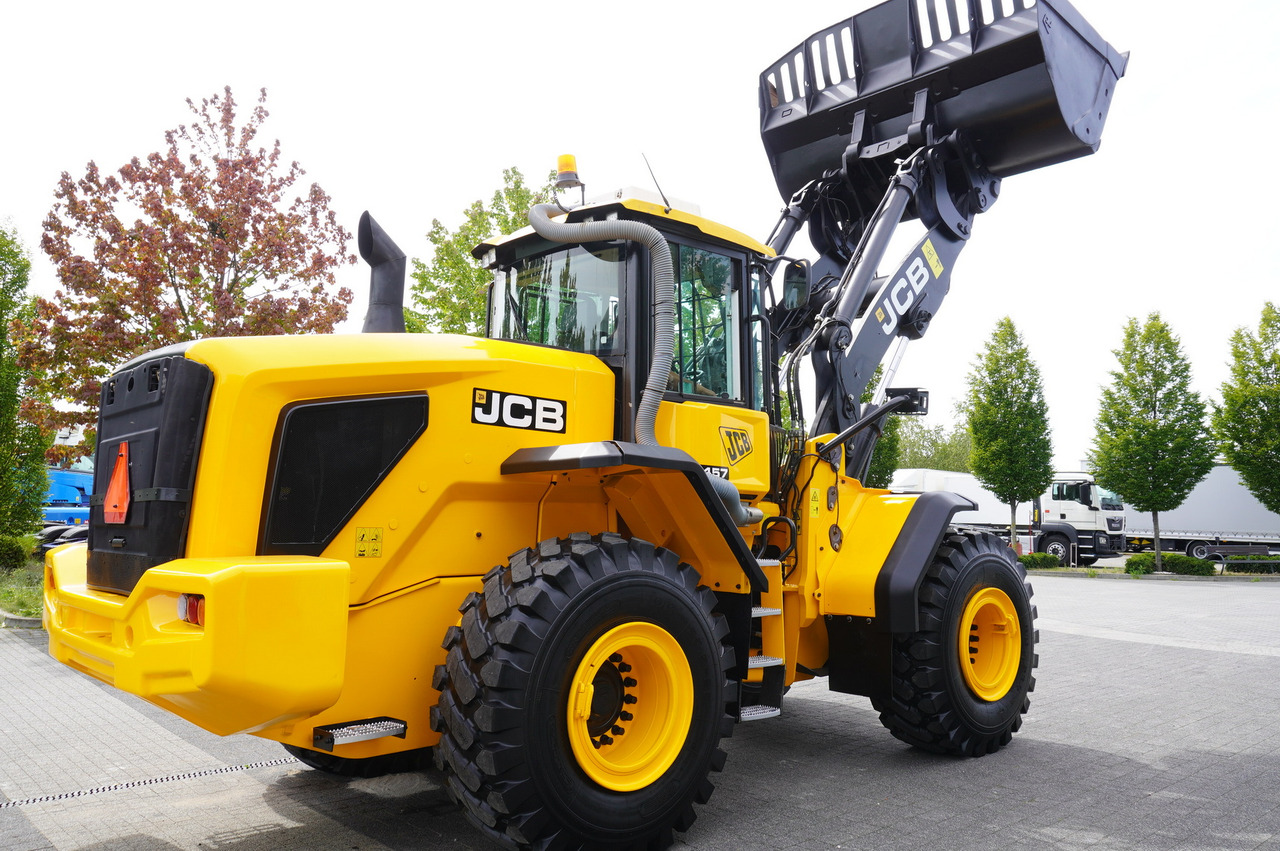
596	298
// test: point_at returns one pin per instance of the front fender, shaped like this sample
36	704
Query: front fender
898	586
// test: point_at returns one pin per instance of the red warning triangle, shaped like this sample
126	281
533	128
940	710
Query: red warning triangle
116	504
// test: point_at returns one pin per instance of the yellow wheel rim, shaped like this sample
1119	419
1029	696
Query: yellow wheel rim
990	644
630	706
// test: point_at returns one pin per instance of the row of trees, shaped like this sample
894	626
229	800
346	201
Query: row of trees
1155	439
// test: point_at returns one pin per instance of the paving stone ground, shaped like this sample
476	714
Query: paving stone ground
1153	726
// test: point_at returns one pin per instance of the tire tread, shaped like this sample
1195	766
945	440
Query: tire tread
489	663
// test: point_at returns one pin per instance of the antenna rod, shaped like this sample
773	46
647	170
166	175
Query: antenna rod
665	203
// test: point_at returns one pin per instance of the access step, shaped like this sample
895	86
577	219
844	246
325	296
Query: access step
328	737
758	713
763	661
764	612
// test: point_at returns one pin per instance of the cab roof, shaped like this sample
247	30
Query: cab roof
600	209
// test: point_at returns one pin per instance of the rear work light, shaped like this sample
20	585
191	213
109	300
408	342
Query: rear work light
191	608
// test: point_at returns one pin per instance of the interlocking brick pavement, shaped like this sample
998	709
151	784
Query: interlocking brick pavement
1152	726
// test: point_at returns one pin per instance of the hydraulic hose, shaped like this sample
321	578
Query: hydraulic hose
663	280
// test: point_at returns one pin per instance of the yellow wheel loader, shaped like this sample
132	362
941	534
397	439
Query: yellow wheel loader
560	562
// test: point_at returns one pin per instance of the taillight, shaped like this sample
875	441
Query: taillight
191	608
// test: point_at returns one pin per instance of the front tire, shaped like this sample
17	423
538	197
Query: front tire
582	699
960	684
1057	546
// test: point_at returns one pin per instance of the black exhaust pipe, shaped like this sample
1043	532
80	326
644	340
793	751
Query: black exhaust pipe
386	278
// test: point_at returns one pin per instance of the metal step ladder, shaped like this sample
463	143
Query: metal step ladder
328	737
766	670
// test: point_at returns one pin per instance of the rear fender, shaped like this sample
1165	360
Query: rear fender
656	493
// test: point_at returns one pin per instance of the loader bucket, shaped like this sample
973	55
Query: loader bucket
1028	84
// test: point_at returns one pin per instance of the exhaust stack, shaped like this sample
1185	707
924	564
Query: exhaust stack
386	278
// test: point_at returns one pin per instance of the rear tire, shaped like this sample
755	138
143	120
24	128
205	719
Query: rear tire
582	700
960	684
371	766
1198	549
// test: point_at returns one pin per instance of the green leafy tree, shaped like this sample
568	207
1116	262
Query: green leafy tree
449	294
885	458
1008	420
1152	444
936	447
885	461
23	478
1247	422
199	239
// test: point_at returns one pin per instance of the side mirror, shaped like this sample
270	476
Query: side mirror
919	404
1086	495
796	281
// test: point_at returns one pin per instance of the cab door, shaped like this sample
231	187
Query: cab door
713	408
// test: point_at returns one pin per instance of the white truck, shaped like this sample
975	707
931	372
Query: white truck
1220	511
1075	519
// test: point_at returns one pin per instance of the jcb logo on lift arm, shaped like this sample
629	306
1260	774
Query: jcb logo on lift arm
512	410
902	294
737	443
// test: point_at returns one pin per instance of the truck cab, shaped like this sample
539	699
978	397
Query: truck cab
67	501
1076	513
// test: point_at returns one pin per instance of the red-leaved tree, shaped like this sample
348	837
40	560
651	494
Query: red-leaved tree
205	238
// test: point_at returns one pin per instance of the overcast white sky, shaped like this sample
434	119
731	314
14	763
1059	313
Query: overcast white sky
412	113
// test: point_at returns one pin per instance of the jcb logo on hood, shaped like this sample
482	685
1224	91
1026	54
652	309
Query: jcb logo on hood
512	410
737	443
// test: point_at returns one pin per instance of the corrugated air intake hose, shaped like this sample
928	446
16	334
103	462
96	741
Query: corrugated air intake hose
663	279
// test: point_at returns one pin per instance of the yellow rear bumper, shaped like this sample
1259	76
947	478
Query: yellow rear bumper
272	649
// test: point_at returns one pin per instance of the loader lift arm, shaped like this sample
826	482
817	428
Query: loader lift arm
863	316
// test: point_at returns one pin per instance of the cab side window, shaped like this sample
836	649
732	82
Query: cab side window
707	358
569	298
